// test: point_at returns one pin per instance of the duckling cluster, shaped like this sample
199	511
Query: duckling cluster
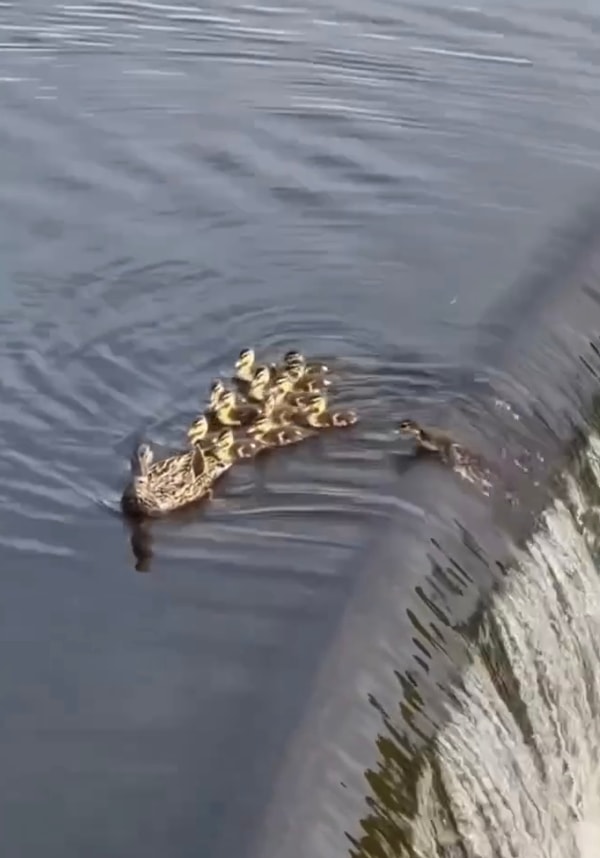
268	405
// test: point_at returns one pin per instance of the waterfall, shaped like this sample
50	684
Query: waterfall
457	714
518	760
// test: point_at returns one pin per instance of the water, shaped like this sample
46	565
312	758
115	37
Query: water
514	771
179	181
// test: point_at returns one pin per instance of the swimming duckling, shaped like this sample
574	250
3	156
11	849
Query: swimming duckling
259	386
278	411
244	366
296	359
216	393
215	454
431	440
228	449
198	432
282	386
269	434
300	382
288	390
230	413
315	414
217	389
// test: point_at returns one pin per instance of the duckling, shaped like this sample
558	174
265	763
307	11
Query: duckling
431	440
216	391
229	449
299	382
244	366
287	390
198	432
282	386
296	359
229	413
278	411
259	386
316	415
213	456
268	434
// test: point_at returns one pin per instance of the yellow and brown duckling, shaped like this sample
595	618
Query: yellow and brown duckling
217	451
202	434
216	391
296	360
268	433
281	389
278	410
315	414
198	432
231	449
260	385
296	384
291	392
229	412
198	427
431	440
245	366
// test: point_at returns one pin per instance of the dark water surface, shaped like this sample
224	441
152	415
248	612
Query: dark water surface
179	181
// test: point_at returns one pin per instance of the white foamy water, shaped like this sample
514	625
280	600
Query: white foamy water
517	765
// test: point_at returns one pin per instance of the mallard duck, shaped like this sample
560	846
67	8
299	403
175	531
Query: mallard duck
315	414
269	434
430	440
229	413
160	487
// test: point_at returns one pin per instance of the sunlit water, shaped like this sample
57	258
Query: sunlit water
178	181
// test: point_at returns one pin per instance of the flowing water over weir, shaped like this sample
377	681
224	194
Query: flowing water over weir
491	748
515	771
